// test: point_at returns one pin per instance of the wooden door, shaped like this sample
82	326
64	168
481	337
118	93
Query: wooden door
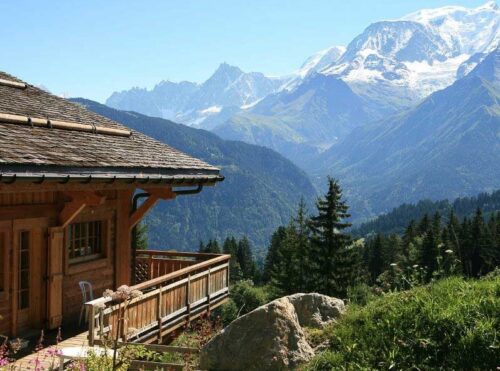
29	249
55	277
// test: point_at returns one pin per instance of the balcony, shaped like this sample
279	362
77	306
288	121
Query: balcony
176	287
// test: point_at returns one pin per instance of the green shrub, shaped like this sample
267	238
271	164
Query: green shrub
452	324
360	294
228	312
247	297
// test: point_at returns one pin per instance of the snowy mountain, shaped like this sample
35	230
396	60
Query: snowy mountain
446	146
227	89
391	66
396	63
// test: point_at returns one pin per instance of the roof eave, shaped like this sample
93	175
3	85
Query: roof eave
62	175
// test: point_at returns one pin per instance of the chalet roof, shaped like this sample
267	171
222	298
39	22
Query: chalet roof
45	135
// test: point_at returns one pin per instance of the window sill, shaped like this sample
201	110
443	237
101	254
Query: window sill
85	266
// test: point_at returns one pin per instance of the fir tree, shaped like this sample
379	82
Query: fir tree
430	246
332	265
141	236
376	260
302	247
230	247
211	247
272	257
408	237
245	258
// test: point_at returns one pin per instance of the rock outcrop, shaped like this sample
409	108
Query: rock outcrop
271	337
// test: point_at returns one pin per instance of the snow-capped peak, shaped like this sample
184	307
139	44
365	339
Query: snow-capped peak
320	60
465	30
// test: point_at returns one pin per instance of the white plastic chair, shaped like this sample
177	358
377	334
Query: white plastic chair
87	295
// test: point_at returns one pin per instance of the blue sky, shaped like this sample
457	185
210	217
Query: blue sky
91	48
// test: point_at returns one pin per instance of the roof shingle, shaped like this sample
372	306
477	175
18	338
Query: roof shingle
35	148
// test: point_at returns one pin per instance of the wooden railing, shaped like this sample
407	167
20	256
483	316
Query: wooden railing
176	288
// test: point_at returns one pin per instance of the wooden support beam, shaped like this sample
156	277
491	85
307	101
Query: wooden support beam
138	214
156	194
78	202
123	252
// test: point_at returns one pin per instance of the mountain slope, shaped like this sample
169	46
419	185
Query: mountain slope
447	146
293	122
260	192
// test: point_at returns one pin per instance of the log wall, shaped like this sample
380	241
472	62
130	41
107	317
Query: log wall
25	204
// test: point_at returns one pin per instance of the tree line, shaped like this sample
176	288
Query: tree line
317	253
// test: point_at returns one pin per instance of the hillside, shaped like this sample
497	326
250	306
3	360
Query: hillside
313	114
448	146
260	192
396	220
450	324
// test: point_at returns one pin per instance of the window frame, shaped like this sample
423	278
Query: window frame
87	237
94	261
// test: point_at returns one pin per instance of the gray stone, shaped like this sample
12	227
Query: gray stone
270	337
316	310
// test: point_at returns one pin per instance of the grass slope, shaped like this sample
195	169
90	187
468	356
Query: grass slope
452	324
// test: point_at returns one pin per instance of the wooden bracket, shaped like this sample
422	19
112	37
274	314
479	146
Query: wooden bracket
156	194
78	202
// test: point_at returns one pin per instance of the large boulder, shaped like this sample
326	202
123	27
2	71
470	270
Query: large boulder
316	310
271	337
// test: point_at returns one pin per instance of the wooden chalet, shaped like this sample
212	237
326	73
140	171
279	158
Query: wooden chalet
73	185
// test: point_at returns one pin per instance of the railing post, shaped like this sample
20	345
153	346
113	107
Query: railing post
91	325
150	262
158	314
208	290
101	324
227	274
188	303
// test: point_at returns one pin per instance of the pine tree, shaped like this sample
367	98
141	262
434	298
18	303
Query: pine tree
430	246
453	230
211	247
408	237
141	236
376	261
333	266
245	258
466	251
201	247
272	257
302	247
230	247
284	273
424	224
392	250
477	242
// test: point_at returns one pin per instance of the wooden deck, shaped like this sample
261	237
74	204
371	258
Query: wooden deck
47	358
177	287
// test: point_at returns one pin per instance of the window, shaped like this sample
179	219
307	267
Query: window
85	241
23	300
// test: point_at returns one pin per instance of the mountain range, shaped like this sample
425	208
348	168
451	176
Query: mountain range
261	191
445	147
407	110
